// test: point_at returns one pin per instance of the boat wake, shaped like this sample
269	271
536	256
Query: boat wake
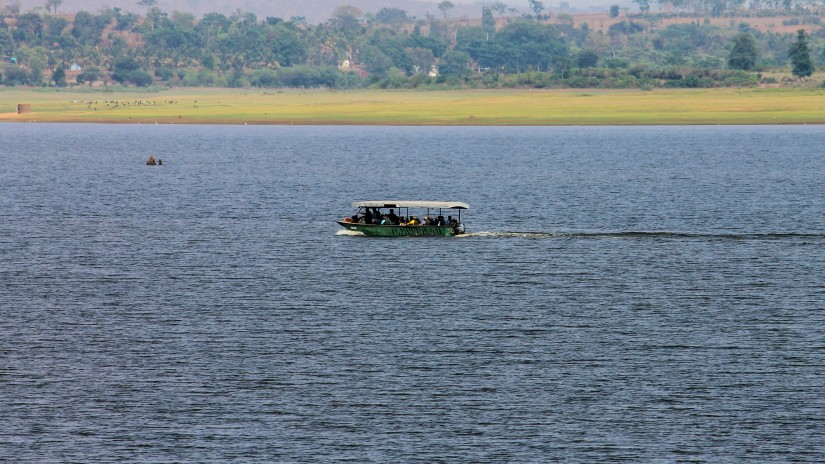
649	235
351	233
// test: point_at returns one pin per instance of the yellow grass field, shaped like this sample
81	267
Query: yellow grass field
438	108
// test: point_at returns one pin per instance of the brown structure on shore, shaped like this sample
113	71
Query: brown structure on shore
23	108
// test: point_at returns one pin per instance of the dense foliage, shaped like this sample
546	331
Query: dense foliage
388	50
743	55
800	54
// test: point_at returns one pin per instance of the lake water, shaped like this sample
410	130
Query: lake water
649	294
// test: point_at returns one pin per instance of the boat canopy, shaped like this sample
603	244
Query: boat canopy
410	204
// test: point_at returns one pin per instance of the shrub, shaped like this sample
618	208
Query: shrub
140	78
263	78
165	73
16	75
90	74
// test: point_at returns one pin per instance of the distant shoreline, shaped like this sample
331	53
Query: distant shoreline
570	107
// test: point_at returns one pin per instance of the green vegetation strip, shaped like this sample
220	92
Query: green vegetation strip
437	108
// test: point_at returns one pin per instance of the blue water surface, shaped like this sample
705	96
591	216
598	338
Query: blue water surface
647	294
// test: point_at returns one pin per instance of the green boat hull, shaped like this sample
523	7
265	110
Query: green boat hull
375	230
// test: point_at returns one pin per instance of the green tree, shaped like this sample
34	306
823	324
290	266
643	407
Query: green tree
537	7
6	42
346	19
376	61
59	77
273	21
587	59
800	55
743	55
440	30
164	73
644	5
140	78
122	68
444	6
53	4
263	78
498	7
37	58
488	22
391	16
614	11
455	63
526	45
148	3
87	28
286	45
54	29
16	75
89	74
28	28
126	21
562	65
421	58
211	26
118	47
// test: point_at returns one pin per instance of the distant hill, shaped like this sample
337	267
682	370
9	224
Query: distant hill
315	11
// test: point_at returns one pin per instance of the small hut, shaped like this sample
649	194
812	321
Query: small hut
23	108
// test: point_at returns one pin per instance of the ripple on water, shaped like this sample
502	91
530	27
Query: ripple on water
623	294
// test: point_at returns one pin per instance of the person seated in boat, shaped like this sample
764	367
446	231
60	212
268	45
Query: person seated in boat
451	221
393	219
367	216
376	216
440	221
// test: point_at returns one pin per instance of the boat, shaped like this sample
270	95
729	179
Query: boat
404	218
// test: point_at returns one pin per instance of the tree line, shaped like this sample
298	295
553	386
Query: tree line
389	49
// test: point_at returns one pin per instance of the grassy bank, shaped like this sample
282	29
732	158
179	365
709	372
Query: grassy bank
465	107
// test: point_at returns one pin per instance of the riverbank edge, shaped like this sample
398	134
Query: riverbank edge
579	107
